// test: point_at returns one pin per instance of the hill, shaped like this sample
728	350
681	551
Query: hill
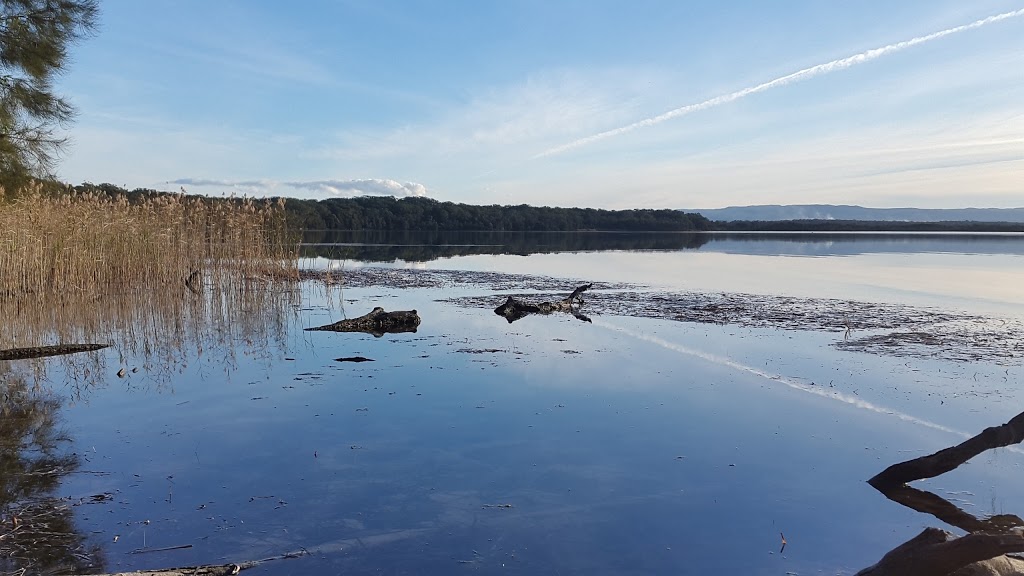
771	212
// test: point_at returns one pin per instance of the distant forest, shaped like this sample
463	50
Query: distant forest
387	213
425	214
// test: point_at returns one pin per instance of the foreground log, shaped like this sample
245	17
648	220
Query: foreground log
950	458
45	351
376	322
935	552
514	309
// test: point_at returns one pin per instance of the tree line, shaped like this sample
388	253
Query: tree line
386	213
417	213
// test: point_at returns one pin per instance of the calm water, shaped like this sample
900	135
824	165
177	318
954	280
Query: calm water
553	446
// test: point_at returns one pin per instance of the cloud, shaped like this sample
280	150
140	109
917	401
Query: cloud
504	124
357	187
222	183
363	187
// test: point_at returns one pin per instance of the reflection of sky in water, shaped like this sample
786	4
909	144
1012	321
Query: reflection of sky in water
979	273
623	446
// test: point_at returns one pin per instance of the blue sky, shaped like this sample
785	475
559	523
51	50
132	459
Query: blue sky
490	102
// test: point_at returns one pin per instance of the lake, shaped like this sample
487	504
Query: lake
720	412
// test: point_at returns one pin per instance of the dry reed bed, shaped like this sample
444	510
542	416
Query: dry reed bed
94	244
156	279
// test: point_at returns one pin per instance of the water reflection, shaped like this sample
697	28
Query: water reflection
416	246
616	453
151	335
149	340
38	532
410	246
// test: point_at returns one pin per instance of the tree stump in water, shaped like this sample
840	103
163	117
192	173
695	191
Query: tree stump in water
376	322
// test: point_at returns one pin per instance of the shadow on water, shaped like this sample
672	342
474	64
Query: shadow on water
37	528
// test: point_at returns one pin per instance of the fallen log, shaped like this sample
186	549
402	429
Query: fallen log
514	309
376	322
934	552
950	458
46	351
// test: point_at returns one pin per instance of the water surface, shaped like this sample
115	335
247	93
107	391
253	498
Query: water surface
622	446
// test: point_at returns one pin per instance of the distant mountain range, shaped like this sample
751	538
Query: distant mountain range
841	212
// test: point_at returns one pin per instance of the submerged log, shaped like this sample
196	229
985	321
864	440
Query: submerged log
218	570
45	351
376	322
209	569
514	309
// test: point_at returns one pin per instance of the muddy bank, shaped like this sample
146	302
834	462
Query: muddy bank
869	327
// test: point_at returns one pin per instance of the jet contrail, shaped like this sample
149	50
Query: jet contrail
829	393
804	74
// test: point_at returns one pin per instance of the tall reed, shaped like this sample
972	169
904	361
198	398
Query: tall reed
161	280
90	243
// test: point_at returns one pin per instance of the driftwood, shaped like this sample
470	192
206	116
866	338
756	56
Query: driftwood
935	552
376	322
514	309
948	459
45	351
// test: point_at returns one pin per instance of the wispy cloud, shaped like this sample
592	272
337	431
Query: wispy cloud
506	123
222	183
364	187
806	73
357	187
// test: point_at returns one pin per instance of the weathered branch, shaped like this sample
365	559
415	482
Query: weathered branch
376	322
950	458
514	309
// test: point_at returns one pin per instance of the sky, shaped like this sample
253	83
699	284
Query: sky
590	103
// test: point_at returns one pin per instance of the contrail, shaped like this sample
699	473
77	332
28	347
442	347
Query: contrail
791	383
804	74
